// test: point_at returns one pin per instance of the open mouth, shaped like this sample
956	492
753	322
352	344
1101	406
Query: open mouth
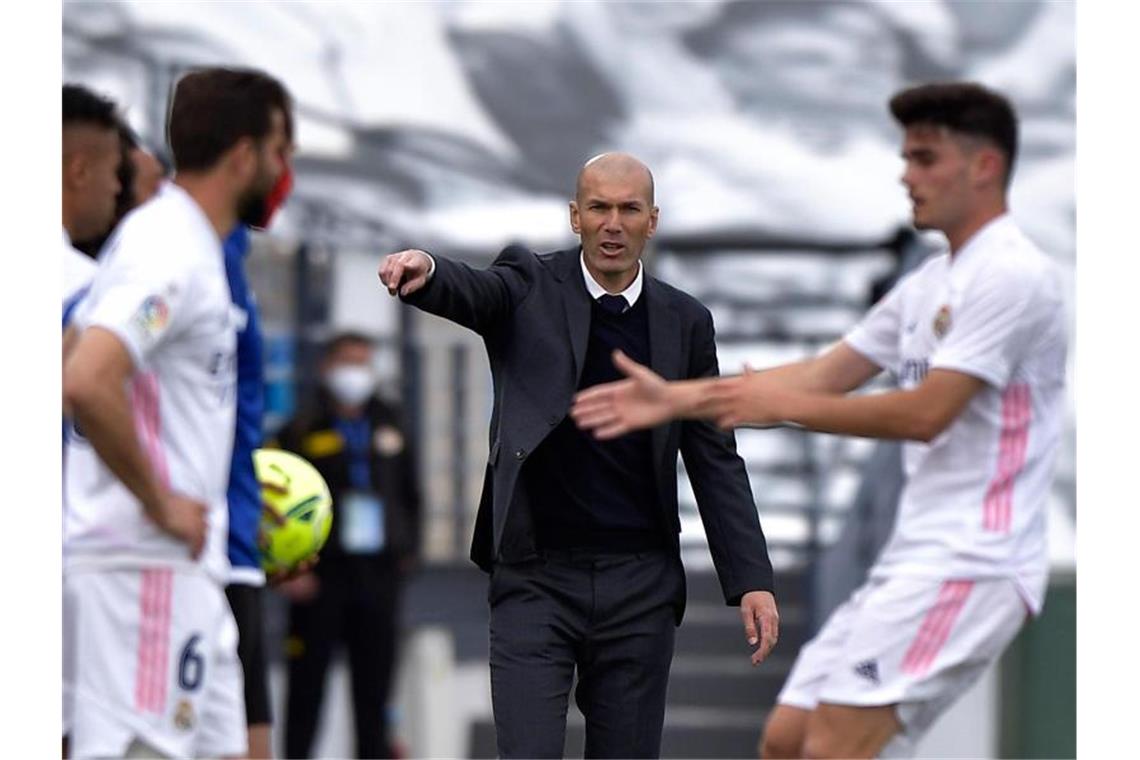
612	249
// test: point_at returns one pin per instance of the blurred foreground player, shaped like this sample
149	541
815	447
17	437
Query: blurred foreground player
150	665
243	496
977	340
90	182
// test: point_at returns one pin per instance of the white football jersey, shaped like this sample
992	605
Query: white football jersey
974	504
161	289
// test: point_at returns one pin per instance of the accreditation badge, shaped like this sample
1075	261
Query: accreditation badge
360	516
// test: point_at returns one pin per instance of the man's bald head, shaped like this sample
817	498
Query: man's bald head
615	166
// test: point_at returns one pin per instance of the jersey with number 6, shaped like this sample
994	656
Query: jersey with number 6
974	505
161	290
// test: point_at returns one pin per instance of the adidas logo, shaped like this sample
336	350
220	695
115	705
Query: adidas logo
869	670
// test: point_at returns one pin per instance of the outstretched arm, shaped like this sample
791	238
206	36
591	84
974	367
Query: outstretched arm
918	414
807	394
478	299
645	400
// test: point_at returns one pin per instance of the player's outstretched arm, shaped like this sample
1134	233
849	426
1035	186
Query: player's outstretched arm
95	378
917	414
643	400
807	394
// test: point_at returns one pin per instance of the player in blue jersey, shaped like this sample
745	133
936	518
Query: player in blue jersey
247	579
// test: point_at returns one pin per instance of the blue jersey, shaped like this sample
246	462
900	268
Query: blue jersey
244	493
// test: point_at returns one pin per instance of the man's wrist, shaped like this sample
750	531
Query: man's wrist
153	507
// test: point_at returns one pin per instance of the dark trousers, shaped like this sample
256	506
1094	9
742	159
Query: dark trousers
357	605
610	616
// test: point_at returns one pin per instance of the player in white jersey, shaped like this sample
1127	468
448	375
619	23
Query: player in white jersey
977	340
91	157
150	661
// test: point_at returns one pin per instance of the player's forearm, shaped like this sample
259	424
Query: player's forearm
898	415
687	399
801	376
104	416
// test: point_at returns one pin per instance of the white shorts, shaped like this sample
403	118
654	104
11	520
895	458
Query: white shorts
913	642
150	654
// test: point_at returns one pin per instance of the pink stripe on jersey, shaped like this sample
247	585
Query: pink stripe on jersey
144	398
936	626
1016	408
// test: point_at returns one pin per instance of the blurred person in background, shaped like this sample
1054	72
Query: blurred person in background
358	442
150	661
978	342
580	538
140	172
91	159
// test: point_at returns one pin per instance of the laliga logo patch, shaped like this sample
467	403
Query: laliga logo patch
184	715
153	314
942	322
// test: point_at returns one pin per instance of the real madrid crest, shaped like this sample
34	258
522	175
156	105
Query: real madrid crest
184	715
942	322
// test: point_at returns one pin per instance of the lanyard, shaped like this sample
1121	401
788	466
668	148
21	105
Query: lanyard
356	434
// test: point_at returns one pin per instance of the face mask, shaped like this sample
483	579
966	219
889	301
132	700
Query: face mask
257	210
275	199
350	384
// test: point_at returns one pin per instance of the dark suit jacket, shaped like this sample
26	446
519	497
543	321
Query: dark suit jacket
533	312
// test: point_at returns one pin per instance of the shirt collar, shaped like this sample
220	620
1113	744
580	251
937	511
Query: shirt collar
631	294
991	229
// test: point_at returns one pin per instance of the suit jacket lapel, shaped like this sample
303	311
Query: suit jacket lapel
576	301
664	349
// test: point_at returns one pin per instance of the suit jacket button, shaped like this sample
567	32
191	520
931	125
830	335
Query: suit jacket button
520	454
552	420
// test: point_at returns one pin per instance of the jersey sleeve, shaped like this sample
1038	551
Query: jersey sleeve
143	302
877	334
988	332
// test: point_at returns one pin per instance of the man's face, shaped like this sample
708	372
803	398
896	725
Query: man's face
91	175
349	354
273	155
149	171
937	177
614	217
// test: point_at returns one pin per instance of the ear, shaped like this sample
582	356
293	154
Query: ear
243	156
653	221
575	218
76	169
988	167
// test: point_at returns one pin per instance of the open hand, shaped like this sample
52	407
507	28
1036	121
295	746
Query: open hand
640	401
